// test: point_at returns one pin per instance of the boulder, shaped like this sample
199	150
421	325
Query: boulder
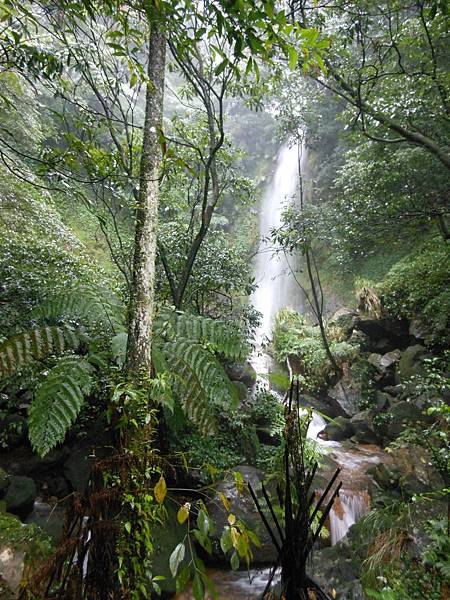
418	330
362	423
393	390
402	412
325	405
31	465
383	400
385	334
23	548
243	507
243	372
347	393
20	496
339	429
4	481
242	390
95	445
345	319
410	363
48	518
411	472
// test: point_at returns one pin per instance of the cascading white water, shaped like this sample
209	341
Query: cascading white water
277	288
276	284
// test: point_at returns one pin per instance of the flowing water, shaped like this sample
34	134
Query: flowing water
277	288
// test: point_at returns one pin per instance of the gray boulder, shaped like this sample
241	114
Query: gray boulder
341	428
20	496
243	507
402	412
242	390
347	393
410	363
363	426
4	481
243	372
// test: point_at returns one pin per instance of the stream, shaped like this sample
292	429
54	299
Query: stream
277	288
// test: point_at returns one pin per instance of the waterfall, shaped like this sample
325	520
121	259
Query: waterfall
347	510
276	284
276	289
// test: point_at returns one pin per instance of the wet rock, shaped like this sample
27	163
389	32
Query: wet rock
403	413
95	445
242	390
345	319
4	481
410	363
325	405
385	334
347	393
363	426
418	330
383	400
48	518
393	390
20	496
32	465
339	429
243	507
244	373
22	549
410	472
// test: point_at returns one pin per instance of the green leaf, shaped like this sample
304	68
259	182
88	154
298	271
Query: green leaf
226	542
292	58
203	522
198	589
234	561
176	558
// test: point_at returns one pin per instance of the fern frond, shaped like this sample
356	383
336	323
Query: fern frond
223	337
57	402
89	304
19	351
204	380
119	347
194	402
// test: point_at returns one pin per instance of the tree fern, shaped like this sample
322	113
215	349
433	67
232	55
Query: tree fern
57	402
87	304
223	337
202	381
21	350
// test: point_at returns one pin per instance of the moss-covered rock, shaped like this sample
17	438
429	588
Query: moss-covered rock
23	548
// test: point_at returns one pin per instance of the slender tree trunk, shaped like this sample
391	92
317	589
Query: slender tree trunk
143	278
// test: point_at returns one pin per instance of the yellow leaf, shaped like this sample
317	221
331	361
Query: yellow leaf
333	593
225	501
183	513
231	519
234	536
160	490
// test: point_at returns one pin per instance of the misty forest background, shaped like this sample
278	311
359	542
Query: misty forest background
137	141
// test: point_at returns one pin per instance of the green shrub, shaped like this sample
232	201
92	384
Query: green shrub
293	335
419	286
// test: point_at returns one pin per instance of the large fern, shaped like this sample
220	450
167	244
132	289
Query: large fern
89	305
21	350
221	336
57	402
184	347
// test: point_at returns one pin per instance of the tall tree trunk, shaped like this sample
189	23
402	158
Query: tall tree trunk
143	278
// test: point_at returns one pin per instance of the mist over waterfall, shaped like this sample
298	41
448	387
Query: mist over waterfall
277	287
